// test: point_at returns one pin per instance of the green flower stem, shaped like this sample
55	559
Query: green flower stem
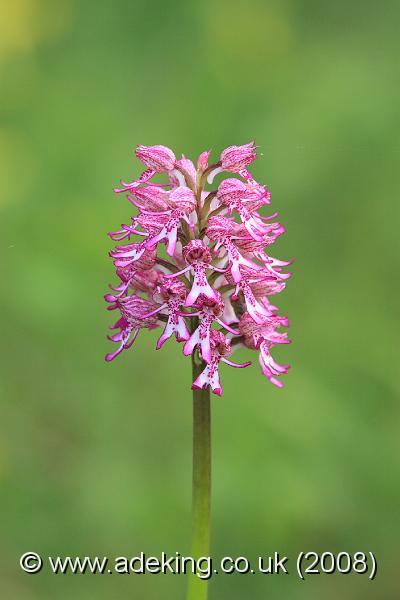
201	507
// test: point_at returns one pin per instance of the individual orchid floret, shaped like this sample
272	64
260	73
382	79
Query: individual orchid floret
209	311
263	336
220	349
240	198
158	159
244	292
197	262
252	196
134	317
183	201
171	294
235	159
198	258
223	230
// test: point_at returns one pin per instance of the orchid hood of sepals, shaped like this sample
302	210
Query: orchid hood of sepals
195	262
236	158
159	158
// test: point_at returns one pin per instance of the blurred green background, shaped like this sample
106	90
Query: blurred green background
95	458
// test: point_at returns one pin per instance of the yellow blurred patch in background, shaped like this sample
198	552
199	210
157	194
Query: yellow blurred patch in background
26	23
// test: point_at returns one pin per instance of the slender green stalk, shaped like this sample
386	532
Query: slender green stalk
201	507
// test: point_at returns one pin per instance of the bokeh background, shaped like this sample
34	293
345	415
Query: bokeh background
96	459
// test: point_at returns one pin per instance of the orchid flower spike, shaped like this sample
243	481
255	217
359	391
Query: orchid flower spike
211	292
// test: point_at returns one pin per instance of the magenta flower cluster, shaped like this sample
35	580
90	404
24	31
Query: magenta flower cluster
195	262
